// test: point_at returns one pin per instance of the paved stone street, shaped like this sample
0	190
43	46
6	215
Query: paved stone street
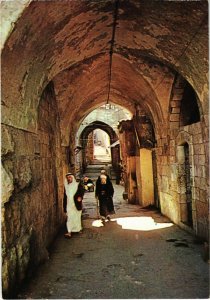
139	254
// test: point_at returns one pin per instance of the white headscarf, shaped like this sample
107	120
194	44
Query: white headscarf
70	188
103	179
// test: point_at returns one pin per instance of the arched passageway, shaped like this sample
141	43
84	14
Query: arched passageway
105	118
90	152
56	60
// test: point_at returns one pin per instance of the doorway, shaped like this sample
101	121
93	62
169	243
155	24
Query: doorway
188	186
185	185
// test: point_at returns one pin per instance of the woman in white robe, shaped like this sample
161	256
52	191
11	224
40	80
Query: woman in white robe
72	204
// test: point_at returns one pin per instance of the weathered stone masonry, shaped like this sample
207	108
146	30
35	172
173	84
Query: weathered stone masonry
193	135
32	211
160	65
180	167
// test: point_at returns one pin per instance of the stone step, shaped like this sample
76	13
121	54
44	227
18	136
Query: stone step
93	171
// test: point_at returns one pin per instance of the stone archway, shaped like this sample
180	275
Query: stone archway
115	151
68	43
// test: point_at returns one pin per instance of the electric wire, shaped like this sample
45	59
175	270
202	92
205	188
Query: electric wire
115	16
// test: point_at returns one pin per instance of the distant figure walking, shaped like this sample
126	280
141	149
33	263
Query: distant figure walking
104	172
72	204
104	193
88	184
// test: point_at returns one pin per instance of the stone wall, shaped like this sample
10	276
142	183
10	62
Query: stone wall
89	149
172	174
32	191
73	51
180	179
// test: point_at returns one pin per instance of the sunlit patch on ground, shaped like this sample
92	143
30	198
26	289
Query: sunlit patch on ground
97	223
140	223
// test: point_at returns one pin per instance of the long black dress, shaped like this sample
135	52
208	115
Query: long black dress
104	193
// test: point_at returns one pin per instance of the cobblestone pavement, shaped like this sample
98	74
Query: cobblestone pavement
139	254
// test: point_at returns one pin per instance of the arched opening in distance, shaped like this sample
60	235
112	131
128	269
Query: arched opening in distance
93	147
101	146
79	41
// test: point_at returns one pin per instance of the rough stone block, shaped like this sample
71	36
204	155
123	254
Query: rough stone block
23	174
186	128
197	193
203	183
175	103
6	141
206	120
202	160
195	128
198	138
159	151
174	172
206	172
174	117
199	149
174	125
174	131
172	159
200	171
203	196
172	151
197	182
178	91
164	160
175	110
196	171
165	170
7	186
172	143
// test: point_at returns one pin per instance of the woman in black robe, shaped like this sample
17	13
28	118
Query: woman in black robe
104	193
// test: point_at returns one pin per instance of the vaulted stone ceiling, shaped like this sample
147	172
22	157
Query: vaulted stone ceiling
68	42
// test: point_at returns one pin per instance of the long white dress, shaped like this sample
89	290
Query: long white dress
74	223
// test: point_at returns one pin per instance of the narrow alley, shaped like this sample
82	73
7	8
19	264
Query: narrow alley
120	89
139	254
